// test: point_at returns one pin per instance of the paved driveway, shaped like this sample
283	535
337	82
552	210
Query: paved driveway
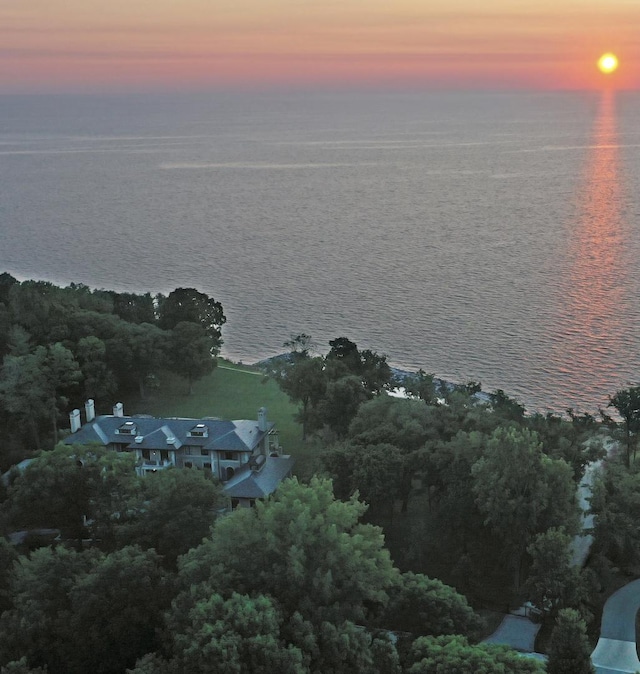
616	648
517	632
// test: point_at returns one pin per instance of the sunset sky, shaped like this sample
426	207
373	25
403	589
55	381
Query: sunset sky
124	45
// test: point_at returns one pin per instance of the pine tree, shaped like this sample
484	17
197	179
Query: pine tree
569	652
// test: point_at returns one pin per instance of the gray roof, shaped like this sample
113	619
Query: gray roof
248	483
230	436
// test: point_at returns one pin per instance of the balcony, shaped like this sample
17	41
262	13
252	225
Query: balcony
150	466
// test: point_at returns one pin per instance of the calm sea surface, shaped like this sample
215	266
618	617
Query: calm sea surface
478	236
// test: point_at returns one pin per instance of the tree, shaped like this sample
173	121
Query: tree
376	472
303	379
8	557
43	309
19	341
134	308
139	350
627	403
330	389
398	422
20	667
421	385
575	439
71	484
5	330
117	611
308	553
454	655
191	352
521	491
507	408
77	612
172	514
446	469
299	345
569	650
38	625
90	300
344	359
98	381
340	403
425	606
553	582
84	323
6	283
342	648
192	306
239	634
615	503
302	547
405	424
30	305
375	372
37	386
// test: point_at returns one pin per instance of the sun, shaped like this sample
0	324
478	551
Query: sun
607	63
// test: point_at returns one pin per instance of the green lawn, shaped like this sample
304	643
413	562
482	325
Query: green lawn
230	392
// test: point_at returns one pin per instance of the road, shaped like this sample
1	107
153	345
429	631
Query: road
616	649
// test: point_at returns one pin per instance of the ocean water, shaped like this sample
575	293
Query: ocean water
493	237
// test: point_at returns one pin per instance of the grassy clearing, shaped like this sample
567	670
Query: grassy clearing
230	392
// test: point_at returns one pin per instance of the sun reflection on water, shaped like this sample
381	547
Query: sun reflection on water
591	322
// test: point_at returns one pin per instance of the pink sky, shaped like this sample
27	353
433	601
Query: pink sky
76	45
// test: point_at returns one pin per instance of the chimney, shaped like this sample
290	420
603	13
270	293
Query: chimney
118	410
90	409
262	419
74	418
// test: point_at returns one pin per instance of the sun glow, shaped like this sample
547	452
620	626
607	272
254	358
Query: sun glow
607	63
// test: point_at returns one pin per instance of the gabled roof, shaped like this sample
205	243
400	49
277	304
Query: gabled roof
249	483
230	436
163	438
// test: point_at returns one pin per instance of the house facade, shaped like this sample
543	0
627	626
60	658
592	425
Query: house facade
244	455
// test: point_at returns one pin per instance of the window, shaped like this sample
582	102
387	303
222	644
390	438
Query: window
188	464
235	502
230	473
204	452
146	454
164	454
229	456
207	466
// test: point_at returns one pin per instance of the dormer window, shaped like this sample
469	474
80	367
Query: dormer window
128	428
199	431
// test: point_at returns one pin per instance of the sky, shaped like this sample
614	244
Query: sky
128	45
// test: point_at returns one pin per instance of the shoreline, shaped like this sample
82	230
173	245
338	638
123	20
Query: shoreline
400	373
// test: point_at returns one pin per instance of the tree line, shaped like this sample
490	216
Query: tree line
298	584
61	346
489	475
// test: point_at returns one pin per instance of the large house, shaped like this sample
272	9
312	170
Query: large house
244	455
